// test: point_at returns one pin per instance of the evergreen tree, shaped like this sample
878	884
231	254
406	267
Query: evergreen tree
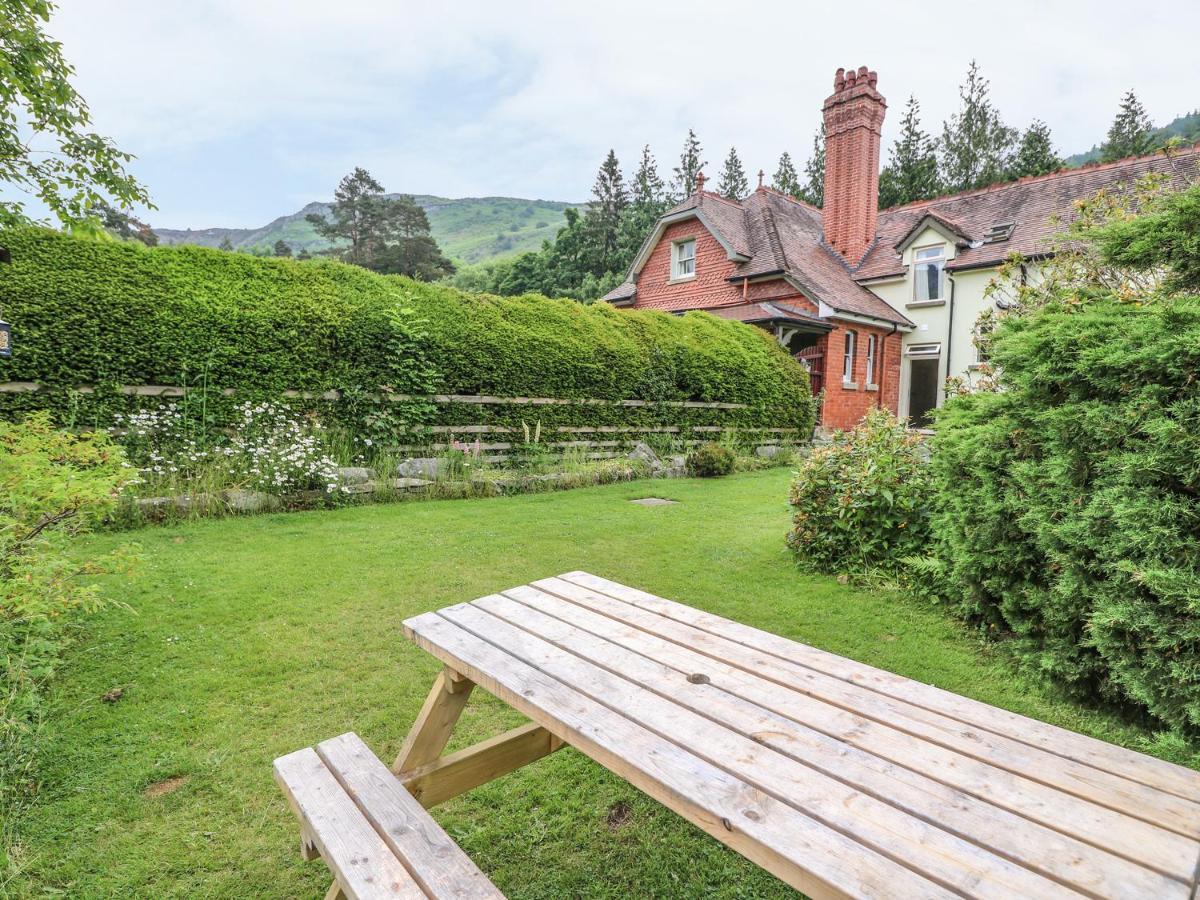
976	144
813	189
785	179
732	184
282	248
1130	134
407	247
121	224
1035	154
603	219
912	171
226	244
303	254
683	184
647	201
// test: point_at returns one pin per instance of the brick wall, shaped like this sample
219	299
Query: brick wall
843	407
853	116
708	288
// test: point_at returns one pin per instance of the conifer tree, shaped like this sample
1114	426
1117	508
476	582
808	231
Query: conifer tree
912	171
732	184
647	201
1035	154
226	244
603	219
683	184
1131	131
785	179
813	189
976	144
282	248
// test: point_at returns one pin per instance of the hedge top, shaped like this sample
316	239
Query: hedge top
110	313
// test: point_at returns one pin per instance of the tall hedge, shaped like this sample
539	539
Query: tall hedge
110	314
1067	508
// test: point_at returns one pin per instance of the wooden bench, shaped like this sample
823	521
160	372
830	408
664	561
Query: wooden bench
376	838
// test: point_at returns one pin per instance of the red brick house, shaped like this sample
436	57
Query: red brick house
781	264
830	283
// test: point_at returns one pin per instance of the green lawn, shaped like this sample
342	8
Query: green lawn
249	638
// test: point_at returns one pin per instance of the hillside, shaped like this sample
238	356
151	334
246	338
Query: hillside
469	230
1186	128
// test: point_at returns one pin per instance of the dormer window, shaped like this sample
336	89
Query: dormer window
683	259
928	264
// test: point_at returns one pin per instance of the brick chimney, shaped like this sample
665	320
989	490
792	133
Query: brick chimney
853	121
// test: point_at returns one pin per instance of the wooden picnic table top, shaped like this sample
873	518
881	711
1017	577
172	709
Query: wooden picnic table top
839	778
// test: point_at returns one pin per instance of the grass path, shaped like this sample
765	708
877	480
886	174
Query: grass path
253	637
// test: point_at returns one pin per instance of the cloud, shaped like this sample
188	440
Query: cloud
239	109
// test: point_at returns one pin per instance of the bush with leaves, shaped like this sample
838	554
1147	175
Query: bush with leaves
1067	500
54	486
860	503
710	460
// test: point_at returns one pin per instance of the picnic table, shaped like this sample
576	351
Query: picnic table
839	778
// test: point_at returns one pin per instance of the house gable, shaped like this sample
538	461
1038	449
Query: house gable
709	287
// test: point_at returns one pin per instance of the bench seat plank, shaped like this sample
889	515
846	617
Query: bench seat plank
803	852
1048	851
437	864
1098	786
1148	770
364	865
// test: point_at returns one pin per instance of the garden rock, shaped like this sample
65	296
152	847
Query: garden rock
642	452
355	475
410	484
153	506
241	500
767	451
422	467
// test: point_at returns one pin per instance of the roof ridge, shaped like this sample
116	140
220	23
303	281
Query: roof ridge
773	237
788	197
1031	179
714	196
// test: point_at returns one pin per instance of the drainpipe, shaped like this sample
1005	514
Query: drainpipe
950	326
883	367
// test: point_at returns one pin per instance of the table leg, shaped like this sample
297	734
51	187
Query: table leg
436	720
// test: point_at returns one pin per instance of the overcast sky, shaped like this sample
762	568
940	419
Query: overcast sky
243	110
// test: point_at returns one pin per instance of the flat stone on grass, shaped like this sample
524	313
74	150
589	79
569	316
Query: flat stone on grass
654	501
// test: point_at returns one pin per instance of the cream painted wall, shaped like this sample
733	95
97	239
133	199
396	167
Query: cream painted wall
933	320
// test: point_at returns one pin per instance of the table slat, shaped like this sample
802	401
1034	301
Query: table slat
771	834
1050	852
1097	786
1120	761
938	855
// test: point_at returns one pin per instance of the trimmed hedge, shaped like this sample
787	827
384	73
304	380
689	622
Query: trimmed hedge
1067	508
109	314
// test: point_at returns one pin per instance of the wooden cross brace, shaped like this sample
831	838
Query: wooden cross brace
432	778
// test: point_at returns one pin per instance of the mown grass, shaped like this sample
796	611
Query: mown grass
249	638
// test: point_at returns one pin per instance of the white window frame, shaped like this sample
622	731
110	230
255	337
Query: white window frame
849	348
872	349
678	260
918	262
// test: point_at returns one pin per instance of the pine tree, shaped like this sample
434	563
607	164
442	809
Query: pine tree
683	184
282	248
603	219
1130	134
647	201
733	184
912	171
976	144
226	244
1035	154
785	179
813	189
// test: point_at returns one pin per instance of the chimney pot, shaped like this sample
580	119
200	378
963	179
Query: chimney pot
839	80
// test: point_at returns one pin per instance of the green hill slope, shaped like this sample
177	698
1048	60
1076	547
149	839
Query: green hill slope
469	230
1186	128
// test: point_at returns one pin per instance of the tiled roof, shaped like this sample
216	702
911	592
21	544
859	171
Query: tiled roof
1029	205
768	311
784	236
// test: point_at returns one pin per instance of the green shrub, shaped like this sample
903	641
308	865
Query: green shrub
1067	506
53	486
861	502
710	460
236	328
